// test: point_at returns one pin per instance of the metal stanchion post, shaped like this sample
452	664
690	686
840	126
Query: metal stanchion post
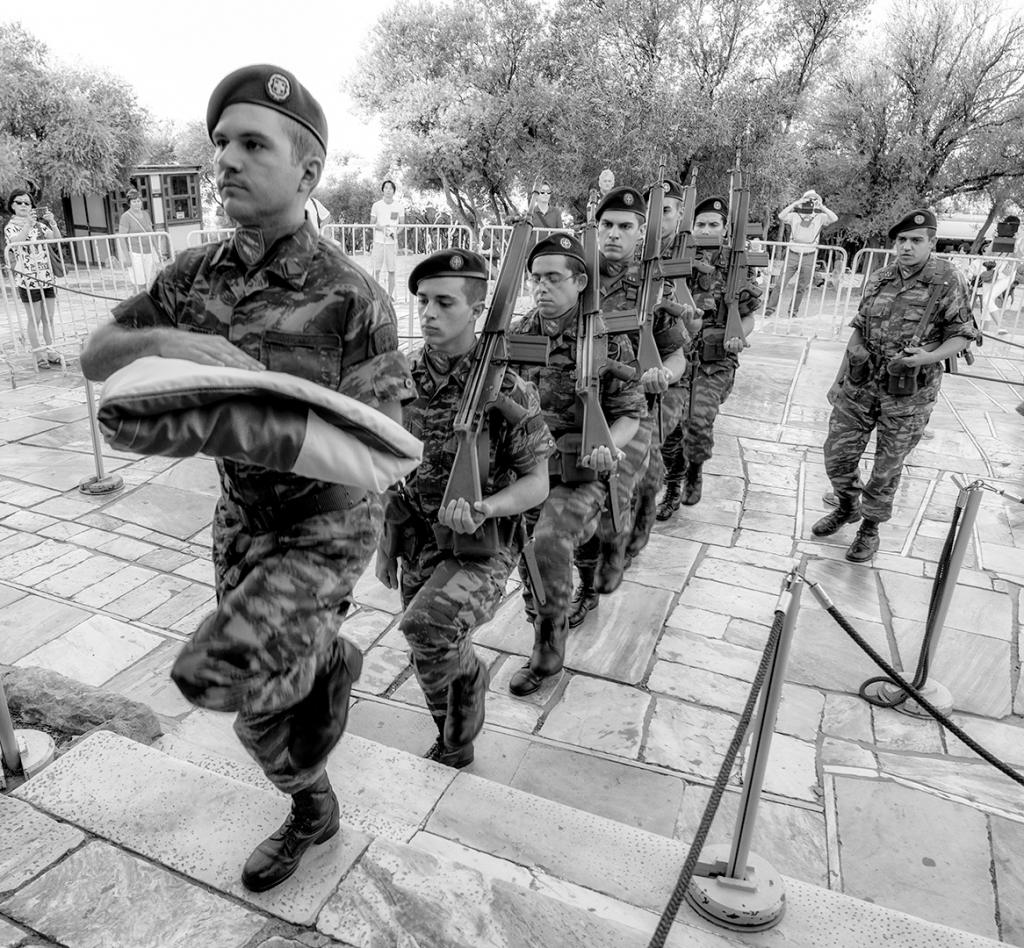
101	483
731	886
888	692
8	739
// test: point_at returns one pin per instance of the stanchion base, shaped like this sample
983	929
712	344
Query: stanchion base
37	750
895	697
753	904
101	485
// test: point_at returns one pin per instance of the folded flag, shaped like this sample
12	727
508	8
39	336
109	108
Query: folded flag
177	408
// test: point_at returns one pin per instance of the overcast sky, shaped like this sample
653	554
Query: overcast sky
175	53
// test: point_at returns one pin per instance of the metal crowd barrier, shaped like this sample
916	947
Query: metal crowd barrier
209	235
492	246
821	273
98	273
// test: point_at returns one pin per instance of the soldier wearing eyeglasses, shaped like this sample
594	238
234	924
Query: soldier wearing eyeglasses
572	512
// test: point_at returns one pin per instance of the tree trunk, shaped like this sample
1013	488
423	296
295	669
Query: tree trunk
980	239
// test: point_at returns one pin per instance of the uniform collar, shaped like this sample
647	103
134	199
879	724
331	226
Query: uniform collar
439	366
289	258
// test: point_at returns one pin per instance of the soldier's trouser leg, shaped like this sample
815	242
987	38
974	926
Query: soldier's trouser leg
281	599
566	520
901	423
854	415
646	502
712	383
445	599
673	454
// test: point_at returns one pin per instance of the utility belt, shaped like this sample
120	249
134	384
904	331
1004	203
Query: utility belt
897	380
710	345
407	531
276	518
563	464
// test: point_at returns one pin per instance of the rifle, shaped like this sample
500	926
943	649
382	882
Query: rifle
482	394
680	266
591	363
740	259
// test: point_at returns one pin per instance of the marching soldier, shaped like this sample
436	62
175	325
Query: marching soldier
914	314
710	376
621	216
573	511
287	550
445	596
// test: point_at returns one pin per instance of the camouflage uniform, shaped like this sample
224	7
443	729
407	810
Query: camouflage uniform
889	313
446	597
284	581
620	291
706	384
573	512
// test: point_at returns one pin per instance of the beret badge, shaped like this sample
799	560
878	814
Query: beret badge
919	218
627	199
456	262
566	243
278	87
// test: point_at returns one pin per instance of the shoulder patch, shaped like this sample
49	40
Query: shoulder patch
385	339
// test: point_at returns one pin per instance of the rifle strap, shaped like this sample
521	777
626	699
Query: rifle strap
929	310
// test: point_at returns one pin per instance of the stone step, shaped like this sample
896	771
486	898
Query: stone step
479	865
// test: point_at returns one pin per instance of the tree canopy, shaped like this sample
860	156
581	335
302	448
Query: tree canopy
63	129
481	100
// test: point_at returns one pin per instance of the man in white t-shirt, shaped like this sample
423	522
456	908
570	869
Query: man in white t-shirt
386	217
805	217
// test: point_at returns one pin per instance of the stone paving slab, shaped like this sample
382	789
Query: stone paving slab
623	862
1007	846
171	510
49	467
602	787
191	820
398	888
94	651
29	622
30	842
912	849
12	937
81	904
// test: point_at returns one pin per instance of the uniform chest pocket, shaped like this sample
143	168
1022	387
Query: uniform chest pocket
312	356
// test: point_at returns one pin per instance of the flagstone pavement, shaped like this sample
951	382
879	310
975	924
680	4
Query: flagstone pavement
860	799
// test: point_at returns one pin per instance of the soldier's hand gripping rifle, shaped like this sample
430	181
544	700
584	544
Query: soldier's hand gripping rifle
482	395
739	261
592	363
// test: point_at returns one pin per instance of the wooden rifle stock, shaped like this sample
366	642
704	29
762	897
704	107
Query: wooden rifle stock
680	265
591	363
482	394
740	259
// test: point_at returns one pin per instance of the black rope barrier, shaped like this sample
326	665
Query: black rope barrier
70	289
686	873
901	682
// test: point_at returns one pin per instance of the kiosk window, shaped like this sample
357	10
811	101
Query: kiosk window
181	197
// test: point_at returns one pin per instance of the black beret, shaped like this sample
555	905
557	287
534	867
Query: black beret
713	205
921	217
622	199
272	87
673	189
557	245
449	263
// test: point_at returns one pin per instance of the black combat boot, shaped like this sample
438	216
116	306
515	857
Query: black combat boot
313	820
694	484
457	757
546	658
848	511
612	568
318	720
585	598
865	543
646	510
466	697
670	500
